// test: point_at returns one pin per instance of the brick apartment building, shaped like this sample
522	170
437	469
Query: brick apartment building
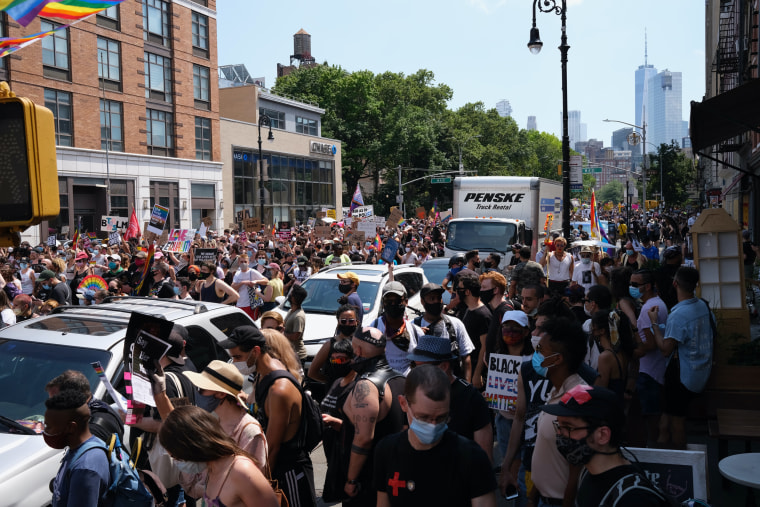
134	93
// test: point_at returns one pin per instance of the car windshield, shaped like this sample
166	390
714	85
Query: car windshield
323	295
435	271
25	369
481	235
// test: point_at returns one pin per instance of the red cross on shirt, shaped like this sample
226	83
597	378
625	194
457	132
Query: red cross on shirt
395	483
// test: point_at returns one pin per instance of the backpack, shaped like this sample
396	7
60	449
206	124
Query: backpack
310	431
126	488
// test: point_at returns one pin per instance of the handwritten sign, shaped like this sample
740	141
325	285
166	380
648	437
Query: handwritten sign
501	387
322	231
367	228
355	236
51	240
252	224
420	213
114	238
331	213
180	240
394	218
680	474
321	214
361	211
111	224
158	219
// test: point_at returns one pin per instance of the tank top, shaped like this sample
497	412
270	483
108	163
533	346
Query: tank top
617	385
215	502
559	270
27	286
209	294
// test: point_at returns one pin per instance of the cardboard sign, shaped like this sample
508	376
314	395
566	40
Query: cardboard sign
394	218
51	240
680	474
389	250
501	387
148	236
252	224
206	221
114	239
420	213
322	231
321	214
331	213
180	240
355	236
111	224
367	228
204	255
164	237
158	219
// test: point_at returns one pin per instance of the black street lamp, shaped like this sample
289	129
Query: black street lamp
266	121
535	46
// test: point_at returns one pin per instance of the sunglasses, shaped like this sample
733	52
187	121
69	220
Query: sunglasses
347	321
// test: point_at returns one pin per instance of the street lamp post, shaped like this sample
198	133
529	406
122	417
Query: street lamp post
266	121
461	166
645	161
535	45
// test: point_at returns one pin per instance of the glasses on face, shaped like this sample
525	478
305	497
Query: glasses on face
347	321
441	419
567	431
636	284
586	256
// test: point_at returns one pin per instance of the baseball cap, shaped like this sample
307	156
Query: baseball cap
349	275
117	257
432	348
46	275
244	336
430	287
394	288
274	265
517	316
302	259
589	402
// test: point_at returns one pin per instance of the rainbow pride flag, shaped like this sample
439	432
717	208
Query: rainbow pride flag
24	11
377	243
146	268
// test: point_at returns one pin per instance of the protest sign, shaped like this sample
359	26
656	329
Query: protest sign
420	213
203	231
331	213
355	236
65	229
252	224
321	214
367	228
501	387
363	211
144	343
445	215
180	240
206	221
114	239
394	218
680	474
311	221
204	255
111	224
51	240
322	231
389	250
158	219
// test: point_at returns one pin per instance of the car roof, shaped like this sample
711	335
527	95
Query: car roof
367	272
104	324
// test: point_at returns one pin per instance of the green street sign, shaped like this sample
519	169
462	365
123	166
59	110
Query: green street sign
445	179
589	170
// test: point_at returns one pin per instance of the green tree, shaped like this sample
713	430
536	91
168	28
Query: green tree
677	172
612	191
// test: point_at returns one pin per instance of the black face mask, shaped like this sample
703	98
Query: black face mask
576	452
434	309
364	364
487	295
487	265
344	288
336	371
203	276
192	277
462	295
347	329
395	311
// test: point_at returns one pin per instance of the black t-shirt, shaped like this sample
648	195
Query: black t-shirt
751	256
632	492
452	473
469	410
61	293
477	322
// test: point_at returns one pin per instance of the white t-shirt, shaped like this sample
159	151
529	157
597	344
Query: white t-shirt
586	275
240	276
8	317
653	363
463	339
397	357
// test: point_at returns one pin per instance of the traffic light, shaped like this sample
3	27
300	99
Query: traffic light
28	171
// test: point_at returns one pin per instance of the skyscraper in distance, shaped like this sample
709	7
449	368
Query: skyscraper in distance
504	108
574	128
665	123
532	125
642	78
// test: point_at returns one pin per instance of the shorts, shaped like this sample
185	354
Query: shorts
677	396
650	395
558	287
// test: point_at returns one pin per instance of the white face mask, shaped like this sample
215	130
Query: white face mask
534	341
190	467
243	367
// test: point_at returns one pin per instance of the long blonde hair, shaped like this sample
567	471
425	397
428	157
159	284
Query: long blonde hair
280	348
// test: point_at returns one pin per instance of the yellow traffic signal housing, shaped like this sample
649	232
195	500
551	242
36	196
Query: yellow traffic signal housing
28	168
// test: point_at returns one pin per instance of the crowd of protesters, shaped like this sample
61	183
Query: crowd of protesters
612	340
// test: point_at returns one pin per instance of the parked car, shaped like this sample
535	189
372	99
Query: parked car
436	270
35	351
322	301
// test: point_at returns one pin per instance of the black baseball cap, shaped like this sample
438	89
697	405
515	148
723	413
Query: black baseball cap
589	402
246	337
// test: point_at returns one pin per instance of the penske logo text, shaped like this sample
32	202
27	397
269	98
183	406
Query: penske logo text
497	198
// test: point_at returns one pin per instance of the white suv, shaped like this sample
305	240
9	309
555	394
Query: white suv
35	351
321	303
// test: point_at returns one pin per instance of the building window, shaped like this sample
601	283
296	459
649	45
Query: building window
277	117
109	63
120	191
158	77
306	126
55	52
156	22
109	18
60	104
160	133
111	128
201	87
200	35
202	138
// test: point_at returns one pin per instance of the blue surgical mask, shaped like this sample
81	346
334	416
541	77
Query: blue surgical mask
634	292
207	402
428	433
538	359
111	266
190	467
629	252
176	290
23	265
586	260
261	261
46	287
454	271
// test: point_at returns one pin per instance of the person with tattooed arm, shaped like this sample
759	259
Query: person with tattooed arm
372	409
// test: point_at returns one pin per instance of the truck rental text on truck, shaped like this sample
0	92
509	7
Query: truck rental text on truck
491	213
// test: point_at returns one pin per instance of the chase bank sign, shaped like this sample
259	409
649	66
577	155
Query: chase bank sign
323	148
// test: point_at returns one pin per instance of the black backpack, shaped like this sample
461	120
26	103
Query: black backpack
310	431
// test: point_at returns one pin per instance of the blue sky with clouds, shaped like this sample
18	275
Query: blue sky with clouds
478	47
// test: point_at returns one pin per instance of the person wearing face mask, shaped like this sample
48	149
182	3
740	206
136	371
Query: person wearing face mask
211	288
27	276
321	369
456	263
412	466
525	273
558	356
82	478
434	322
162	286
492	262
372	409
348	285
277	400
632	258
245	280
402	334
476	318
197	442
410	254
589	430
58	290
586	272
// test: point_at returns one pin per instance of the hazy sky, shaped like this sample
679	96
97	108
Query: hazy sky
479	48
